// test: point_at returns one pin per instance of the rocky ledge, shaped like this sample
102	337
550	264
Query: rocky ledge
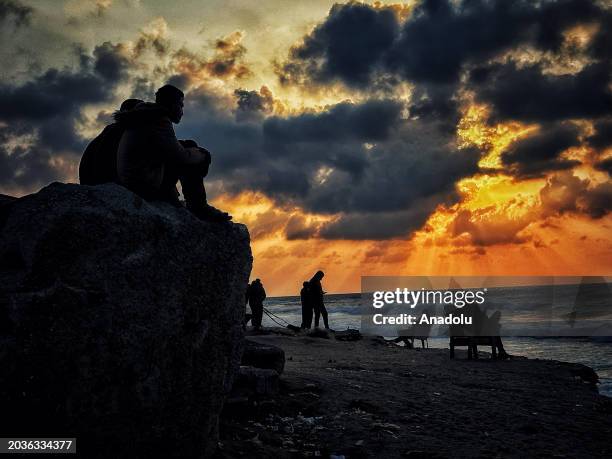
120	321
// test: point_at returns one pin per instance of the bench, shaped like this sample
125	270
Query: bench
472	343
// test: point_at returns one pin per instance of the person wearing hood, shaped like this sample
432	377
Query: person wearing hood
306	306
99	161
256	296
151	160
316	295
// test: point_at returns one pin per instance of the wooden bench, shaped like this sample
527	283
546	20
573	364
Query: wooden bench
472	343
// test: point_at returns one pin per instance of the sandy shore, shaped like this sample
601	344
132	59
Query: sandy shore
365	399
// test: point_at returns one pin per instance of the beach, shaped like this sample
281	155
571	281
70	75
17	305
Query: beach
368	399
345	312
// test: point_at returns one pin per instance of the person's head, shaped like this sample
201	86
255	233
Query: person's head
257	281
319	275
129	104
171	98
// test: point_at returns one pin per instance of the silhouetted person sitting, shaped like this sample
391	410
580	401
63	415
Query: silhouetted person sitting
256	296
497	341
99	161
306	306
316	296
151	160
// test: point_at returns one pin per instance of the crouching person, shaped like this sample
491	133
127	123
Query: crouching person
151	160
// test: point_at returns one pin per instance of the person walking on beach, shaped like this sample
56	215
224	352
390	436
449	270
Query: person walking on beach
256	296
316	296
306	306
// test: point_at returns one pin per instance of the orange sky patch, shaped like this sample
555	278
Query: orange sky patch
509	233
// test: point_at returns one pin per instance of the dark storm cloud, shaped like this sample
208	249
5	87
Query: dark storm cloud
380	225
597	202
360	162
434	44
566	193
298	228
15	11
63	92
440	38
445	46
109	62
347	46
527	94
24	166
377	168
46	109
602	137
398	173
370	121
605	165
253	104
540	153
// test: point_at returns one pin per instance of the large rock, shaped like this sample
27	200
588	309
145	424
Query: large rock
120	321
260	355
255	381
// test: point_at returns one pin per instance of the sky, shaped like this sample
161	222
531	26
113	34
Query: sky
434	137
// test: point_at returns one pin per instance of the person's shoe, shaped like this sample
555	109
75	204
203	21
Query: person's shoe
210	214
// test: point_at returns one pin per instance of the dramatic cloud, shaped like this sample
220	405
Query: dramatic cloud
253	104
540	153
226	63
360	162
602	138
380	160
511	222
434	44
348	46
527	94
229	52
605	165
153	37
43	112
567	193
63	92
24	164
442	37
370	121
446	49
15	11
486	228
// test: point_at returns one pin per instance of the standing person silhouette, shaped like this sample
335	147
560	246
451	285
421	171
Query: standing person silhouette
305	298
257	295
316	295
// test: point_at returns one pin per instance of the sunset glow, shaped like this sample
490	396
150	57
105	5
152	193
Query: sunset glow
358	158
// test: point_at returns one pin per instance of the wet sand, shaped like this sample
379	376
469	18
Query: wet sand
367	399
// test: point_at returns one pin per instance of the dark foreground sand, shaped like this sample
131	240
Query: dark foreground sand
365	399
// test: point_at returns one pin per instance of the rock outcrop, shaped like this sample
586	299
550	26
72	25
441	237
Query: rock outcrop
120	321
260	355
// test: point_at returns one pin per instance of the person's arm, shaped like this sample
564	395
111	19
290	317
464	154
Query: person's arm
172	149
189	143
263	294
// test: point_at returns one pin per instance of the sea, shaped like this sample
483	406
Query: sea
345	312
